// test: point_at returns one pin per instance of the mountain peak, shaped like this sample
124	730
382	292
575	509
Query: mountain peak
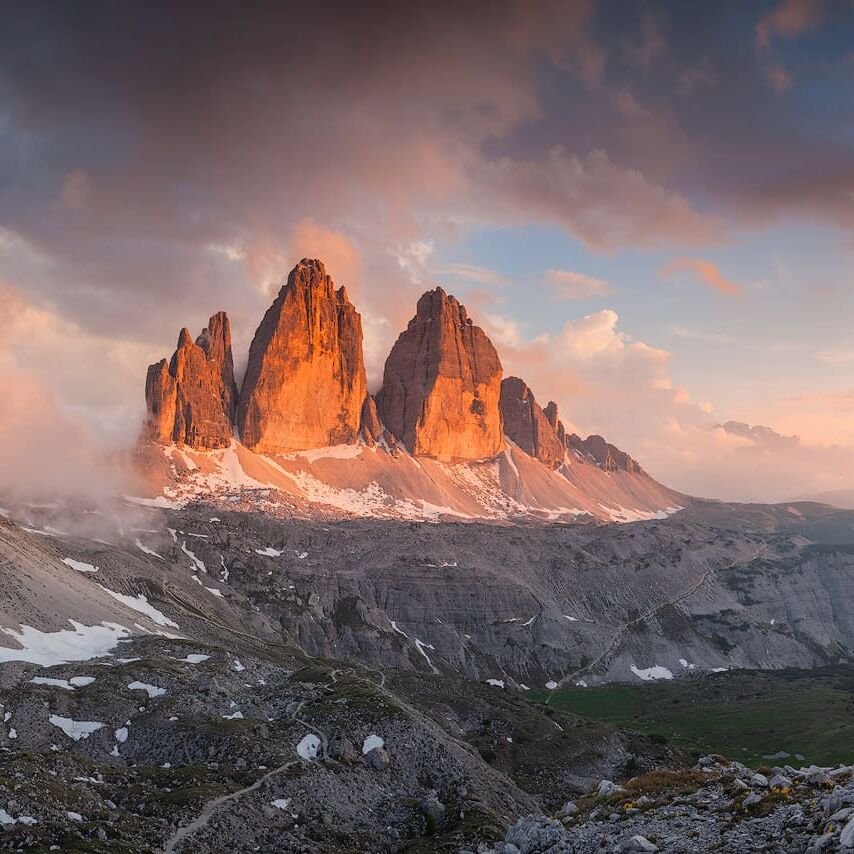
191	399
305	382
526	424
441	384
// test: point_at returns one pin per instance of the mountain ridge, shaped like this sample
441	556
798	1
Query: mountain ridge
446	434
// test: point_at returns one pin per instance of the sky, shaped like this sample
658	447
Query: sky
649	206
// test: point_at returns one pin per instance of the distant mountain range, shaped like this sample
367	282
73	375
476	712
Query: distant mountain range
446	434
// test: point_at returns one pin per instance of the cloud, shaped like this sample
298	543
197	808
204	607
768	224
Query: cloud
701	335
337	251
569	285
603	204
75	189
696	76
835	355
706	271
790	18
606	381
163	166
473	273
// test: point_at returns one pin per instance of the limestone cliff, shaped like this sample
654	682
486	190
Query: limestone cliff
441	384
526	424
305	380
191	399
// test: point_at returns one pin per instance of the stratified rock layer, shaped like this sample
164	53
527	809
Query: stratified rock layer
441	385
191	399
305	380
526	424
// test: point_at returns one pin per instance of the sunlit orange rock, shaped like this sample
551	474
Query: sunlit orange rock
191	399
372	428
305	380
442	383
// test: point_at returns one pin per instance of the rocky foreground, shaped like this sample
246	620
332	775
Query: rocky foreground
716	806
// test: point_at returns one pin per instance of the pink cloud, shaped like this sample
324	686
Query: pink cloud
570	285
788	19
708	273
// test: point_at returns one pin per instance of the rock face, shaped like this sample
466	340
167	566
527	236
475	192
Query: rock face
191	399
305	380
526	424
551	414
442	383
371	426
607	456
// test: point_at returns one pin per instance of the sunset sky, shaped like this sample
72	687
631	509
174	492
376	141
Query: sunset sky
648	206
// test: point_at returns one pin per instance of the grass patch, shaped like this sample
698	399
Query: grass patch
744	715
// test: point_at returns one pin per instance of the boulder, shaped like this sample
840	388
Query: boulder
305	383
526	424
191	400
378	758
442	383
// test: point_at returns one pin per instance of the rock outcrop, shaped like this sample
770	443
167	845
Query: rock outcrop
526	424
191	399
305	380
553	418
442	384
607	456
371	426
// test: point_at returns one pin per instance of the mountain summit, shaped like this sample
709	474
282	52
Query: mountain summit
441	384
191	399
444	436
305	381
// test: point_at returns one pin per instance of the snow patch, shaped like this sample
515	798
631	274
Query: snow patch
496	683
79	565
161	501
194	658
268	552
421	646
76	729
197	562
650	674
396	628
145	549
152	690
80	643
140	603
333	452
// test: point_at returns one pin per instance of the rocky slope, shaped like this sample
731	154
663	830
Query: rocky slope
305	381
208	679
442	383
718	805
191	400
374	479
149	705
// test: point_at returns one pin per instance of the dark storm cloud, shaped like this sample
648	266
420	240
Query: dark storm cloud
158	157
